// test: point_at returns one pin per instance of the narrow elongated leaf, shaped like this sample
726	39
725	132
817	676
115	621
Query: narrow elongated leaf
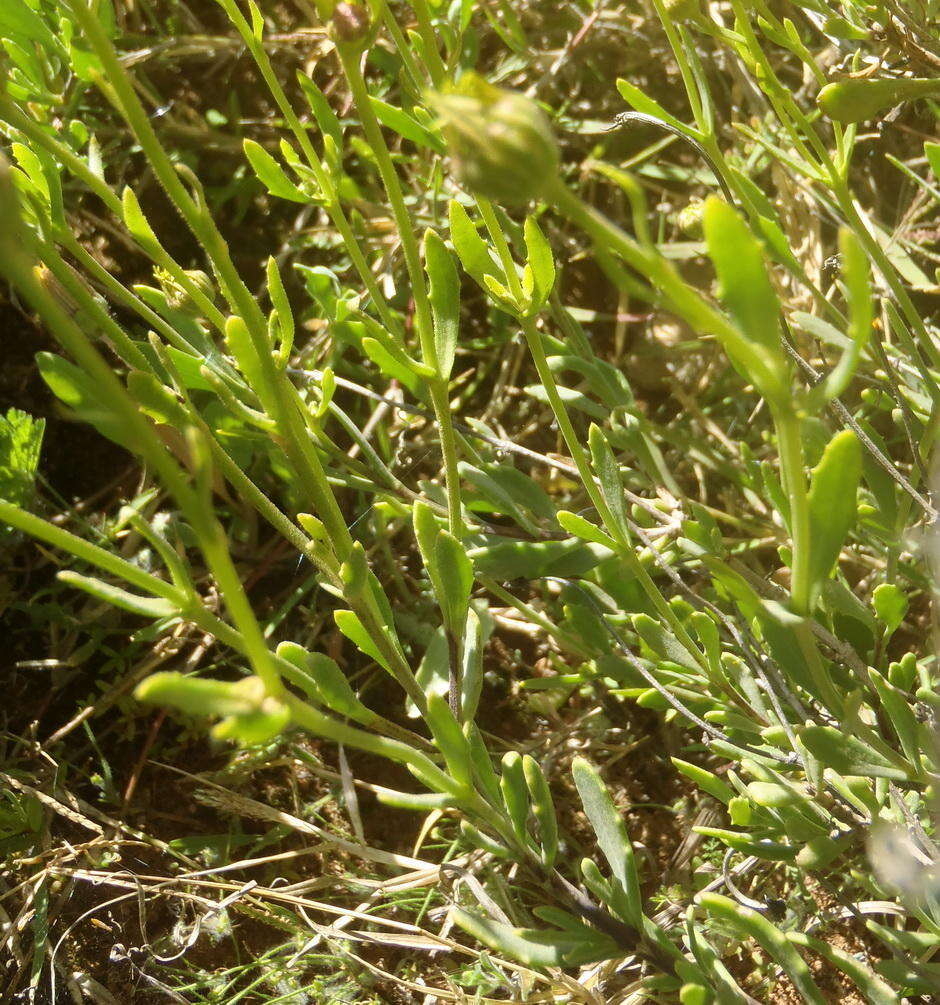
326	118
146	607
873	988
608	473
406	126
541	263
705	780
282	309
543	808
641	102
450	740
199	696
240	345
445	300
848	755
470	247
772	851
515	793
393	362
476	633
932	153
326	682
420	802
136	222
742	276
349	624
534	947
899	713
612	836
662	642
575	524
483	771
832	506
749	924
271	174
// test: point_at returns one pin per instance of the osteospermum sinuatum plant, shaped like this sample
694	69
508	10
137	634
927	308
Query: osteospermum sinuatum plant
753	569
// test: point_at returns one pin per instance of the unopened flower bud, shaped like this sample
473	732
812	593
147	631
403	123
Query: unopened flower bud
178	297
681	10
350	23
501	142
689	218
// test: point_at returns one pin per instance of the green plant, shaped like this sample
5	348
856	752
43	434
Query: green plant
807	737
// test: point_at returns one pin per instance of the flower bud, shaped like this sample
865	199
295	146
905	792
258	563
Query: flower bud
862	98
690	218
501	143
681	10
350	23
177	296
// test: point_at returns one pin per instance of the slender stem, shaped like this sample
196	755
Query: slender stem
862	230
685	69
536	346
332	204
790	447
409	242
85	551
687	302
429	37
794	483
323	725
278	394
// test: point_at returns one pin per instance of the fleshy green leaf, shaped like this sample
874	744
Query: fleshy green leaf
742	276
890	603
515	793
848	755
612	838
271	174
323	679
470	247
746	923
349	624
445	300
406	126
832	505
541	263
146	607
608	473
450	740
543	809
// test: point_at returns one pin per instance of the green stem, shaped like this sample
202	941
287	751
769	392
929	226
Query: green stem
85	551
349	57
790	448
332	205
278	394
536	347
873	248
323	725
794	483
428	36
